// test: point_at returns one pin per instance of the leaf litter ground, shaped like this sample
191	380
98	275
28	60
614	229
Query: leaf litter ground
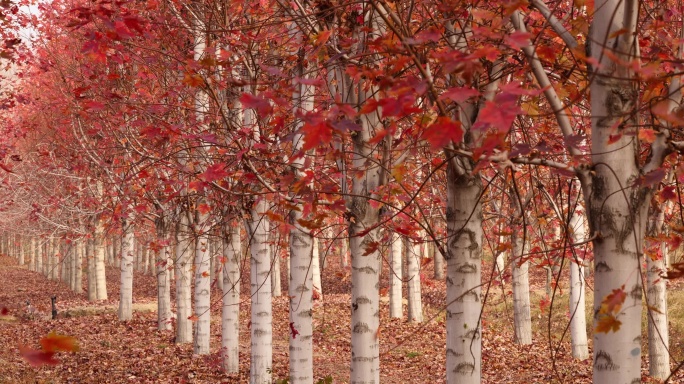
111	351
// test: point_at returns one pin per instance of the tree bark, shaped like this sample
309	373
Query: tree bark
230	310
127	260
656	298
260	281
522	321
163	283
396	276
464	255
183	262
202	286
616	203
415	304
578	319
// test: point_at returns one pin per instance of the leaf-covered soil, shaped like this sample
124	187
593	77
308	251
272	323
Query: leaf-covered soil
120	352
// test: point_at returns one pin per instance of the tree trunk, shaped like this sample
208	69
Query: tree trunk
501	260
616	206
78	255
364	232
230	311
260	280
344	250
438	260
202	285
276	286
396	276
415	304
301	302
54	259
99	260
22	249
183	264
656	298
39	256
464	255
127	260
32	254
92	283
578	319
522	321
163	283
316	269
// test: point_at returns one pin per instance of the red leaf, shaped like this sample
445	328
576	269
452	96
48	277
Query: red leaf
323	36
668	193
94	106
613	302
316	134
4	311
192	80
500	113
262	106
607	323
122	30
517	40
204	208
459	94
37	358
293	331
214	172
442	132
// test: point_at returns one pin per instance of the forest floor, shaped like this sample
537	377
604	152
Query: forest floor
135	352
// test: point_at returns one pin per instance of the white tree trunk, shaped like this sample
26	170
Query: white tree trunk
656	297
616	206
363	226
127	260
78	254
22	249
316	269
32	254
415	303
501	260
276	286
344	250
301	302
578	320
99	261
396	276
67	266
260	281
54	259
522	320
92	282
163	283
464	255
146	256
39	256
303	255
438	260
230	312
202	286
183	262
